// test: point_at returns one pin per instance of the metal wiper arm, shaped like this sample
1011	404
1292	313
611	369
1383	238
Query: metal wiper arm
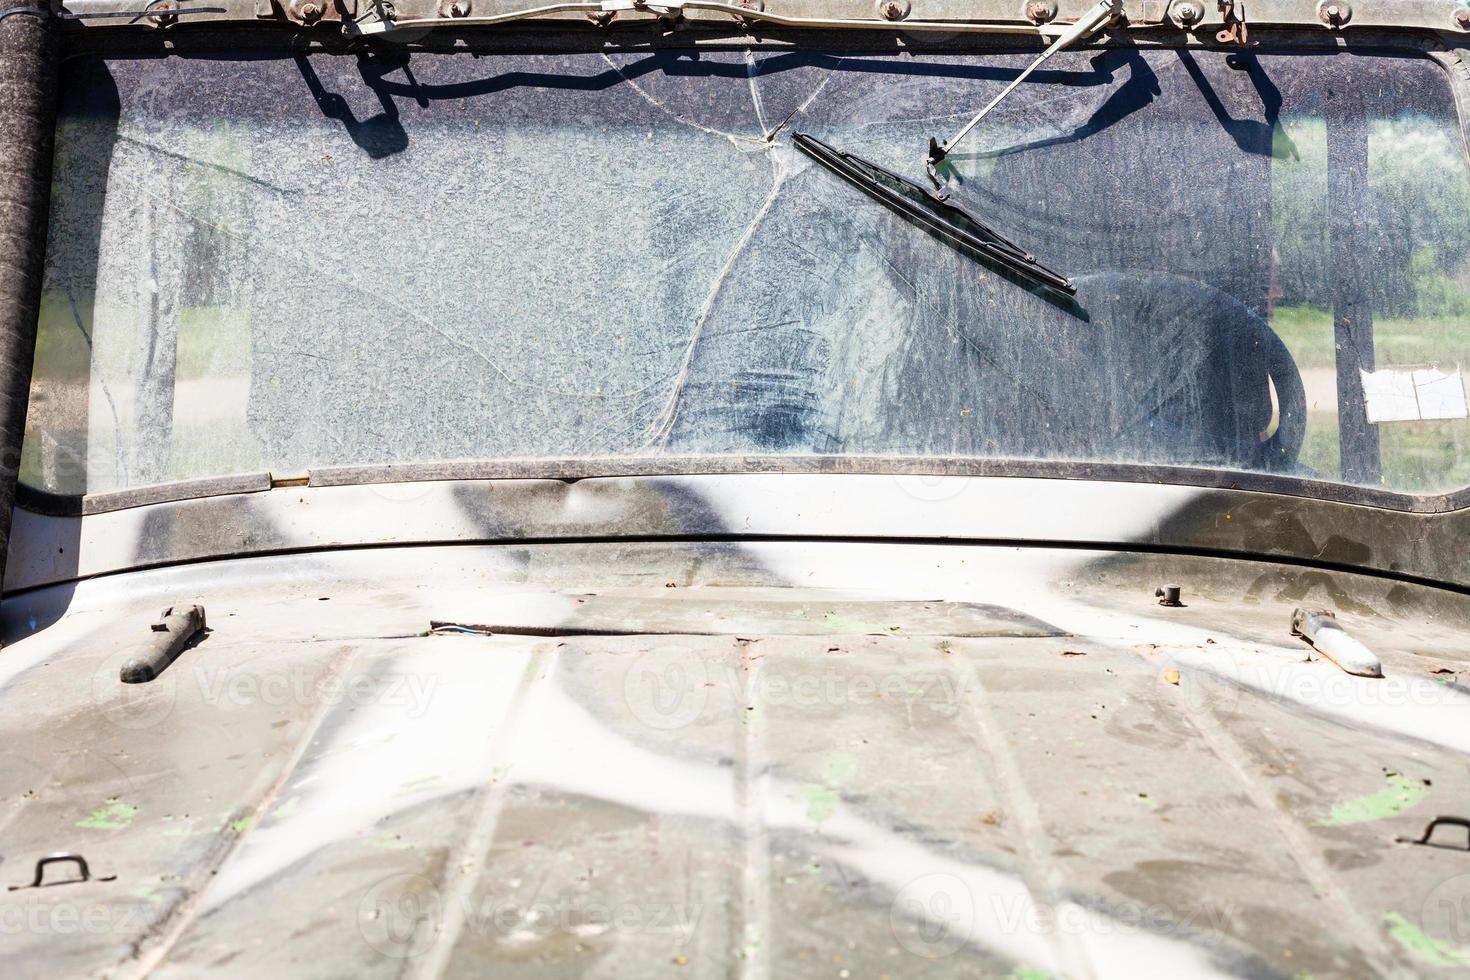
1087	25
928	210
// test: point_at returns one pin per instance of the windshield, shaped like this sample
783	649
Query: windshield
267	262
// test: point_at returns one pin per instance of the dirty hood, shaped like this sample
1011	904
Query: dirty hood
660	760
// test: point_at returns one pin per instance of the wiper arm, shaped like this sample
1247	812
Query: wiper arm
928	210
1087	25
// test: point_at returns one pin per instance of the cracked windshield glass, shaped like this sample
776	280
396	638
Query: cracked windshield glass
394	257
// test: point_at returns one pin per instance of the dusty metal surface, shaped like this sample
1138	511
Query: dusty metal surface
319	789
1320	533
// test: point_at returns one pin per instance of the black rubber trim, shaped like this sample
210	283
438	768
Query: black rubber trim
39	501
582	469
570	470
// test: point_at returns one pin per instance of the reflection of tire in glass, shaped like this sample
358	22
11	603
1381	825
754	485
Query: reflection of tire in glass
1202	363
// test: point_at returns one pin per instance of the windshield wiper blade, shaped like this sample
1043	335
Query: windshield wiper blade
931	211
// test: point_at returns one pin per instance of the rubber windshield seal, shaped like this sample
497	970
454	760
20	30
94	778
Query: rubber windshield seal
41	502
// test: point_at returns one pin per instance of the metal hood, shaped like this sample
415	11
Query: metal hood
657	759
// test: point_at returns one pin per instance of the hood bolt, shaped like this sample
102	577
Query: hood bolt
1168	595
892	10
1334	13
1188	13
1040	11
1462	18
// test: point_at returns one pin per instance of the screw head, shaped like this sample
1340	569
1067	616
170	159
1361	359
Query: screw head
309	10
1462	17
891	10
459	8
1188	13
1040	11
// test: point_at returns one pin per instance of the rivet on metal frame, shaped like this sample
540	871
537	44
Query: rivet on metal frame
893	9
307	11
1187	13
1040	11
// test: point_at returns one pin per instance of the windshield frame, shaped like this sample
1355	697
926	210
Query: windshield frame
187	38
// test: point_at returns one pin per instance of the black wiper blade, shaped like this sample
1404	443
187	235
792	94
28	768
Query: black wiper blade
929	210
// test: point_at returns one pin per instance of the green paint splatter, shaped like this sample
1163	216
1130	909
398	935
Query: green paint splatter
112	815
839	768
1401	794
1026	973
1423	947
242	825
821	803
